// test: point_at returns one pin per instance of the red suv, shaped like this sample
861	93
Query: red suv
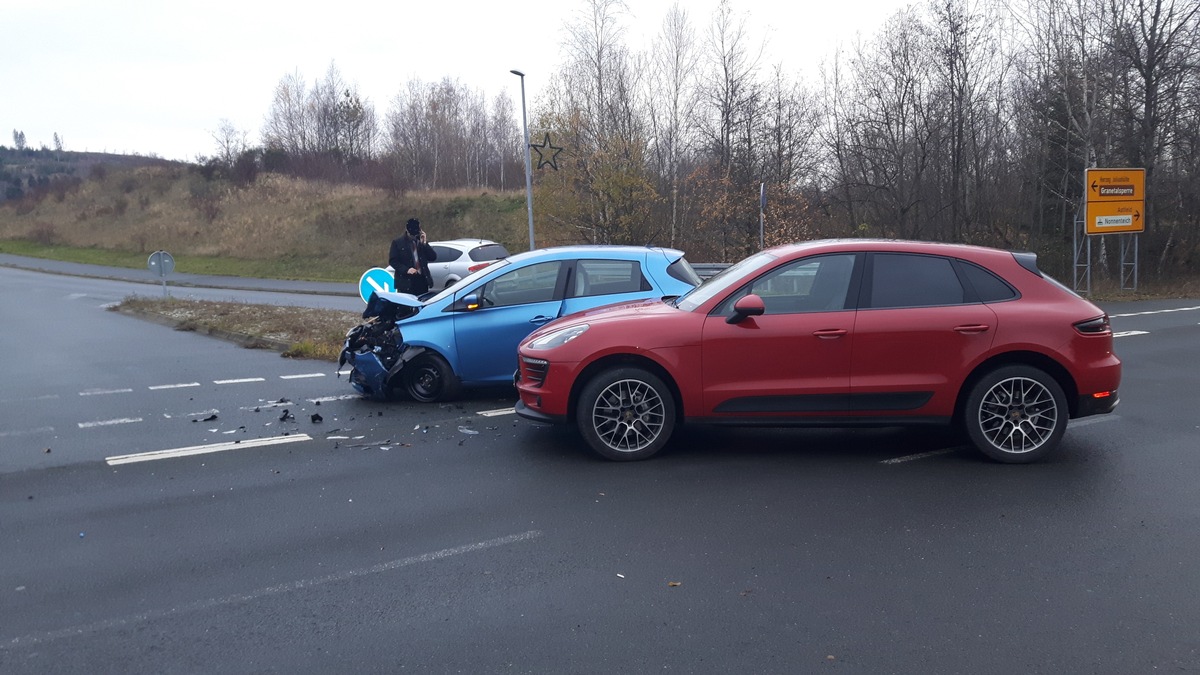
834	333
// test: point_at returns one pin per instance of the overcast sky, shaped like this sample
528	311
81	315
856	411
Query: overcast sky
158	77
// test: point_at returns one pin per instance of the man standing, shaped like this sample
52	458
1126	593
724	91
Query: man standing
410	257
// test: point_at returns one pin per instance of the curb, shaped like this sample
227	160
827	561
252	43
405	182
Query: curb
247	341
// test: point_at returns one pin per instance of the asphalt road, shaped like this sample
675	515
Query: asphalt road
457	538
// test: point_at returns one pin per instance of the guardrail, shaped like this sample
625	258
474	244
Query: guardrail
706	270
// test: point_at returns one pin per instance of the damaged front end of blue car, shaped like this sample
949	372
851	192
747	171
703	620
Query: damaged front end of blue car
375	348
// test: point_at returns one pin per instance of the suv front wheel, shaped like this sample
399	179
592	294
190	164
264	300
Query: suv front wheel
626	414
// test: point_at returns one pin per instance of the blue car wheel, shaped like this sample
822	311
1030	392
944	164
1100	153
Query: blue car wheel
429	378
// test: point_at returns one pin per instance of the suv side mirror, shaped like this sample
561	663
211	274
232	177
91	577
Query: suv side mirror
750	305
470	302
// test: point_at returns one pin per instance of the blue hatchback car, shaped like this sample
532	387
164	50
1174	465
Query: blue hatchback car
468	334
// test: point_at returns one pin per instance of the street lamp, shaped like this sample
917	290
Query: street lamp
528	159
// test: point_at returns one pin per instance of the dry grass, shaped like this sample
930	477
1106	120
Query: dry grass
316	225
298	332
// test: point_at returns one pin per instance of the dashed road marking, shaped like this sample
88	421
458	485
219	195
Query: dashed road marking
27	432
324	399
1130	333
1160	311
298	377
109	423
919	455
205	449
1092	420
243	598
174	386
497	413
44	397
240	380
101	392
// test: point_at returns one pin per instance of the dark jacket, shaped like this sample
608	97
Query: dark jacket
401	259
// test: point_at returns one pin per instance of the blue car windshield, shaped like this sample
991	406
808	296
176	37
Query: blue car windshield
468	280
721	281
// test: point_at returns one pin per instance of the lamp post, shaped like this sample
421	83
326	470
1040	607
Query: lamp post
528	159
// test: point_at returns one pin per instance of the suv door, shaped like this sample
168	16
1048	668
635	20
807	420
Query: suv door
918	331
795	357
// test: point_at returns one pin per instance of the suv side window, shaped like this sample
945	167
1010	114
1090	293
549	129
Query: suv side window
607	277
905	280
818	284
988	287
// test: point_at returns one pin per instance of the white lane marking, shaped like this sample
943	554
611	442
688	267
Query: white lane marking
497	413
344	372
26	432
297	377
920	455
240	381
1092	420
76	296
324	399
109	423
272	404
174	386
43	397
1160	311
1130	333
205	449
100	392
242	598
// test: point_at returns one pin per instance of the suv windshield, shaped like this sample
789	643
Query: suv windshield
723	280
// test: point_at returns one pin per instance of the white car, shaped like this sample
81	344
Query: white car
459	257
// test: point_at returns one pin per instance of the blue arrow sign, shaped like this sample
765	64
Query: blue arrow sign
374	280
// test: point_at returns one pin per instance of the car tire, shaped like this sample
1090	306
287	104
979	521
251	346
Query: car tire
626	414
430	378
1016	414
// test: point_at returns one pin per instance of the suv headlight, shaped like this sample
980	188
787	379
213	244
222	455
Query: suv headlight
558	338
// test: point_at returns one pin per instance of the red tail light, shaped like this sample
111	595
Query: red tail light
476	268
1097	326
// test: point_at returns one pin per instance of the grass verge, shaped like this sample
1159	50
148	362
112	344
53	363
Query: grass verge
290	267
296	332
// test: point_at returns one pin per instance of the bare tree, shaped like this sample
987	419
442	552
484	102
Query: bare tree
676	62
288	125
231	142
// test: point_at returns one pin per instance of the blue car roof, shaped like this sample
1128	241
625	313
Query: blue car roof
598	250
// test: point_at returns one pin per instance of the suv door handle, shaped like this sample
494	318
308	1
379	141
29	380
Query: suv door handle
972	329
540	319
830	333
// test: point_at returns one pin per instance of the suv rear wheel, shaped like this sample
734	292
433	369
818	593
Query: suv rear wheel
1016	414
626	414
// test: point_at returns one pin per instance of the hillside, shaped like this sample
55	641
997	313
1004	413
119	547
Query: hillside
275	225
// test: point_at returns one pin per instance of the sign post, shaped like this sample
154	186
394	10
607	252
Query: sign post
162	264
1114	202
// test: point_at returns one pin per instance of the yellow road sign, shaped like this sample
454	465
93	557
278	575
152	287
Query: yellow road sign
1114	217
1115	200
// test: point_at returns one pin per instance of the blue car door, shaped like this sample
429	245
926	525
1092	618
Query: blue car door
598	282
511	306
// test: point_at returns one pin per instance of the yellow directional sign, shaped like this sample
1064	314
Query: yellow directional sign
1115	200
